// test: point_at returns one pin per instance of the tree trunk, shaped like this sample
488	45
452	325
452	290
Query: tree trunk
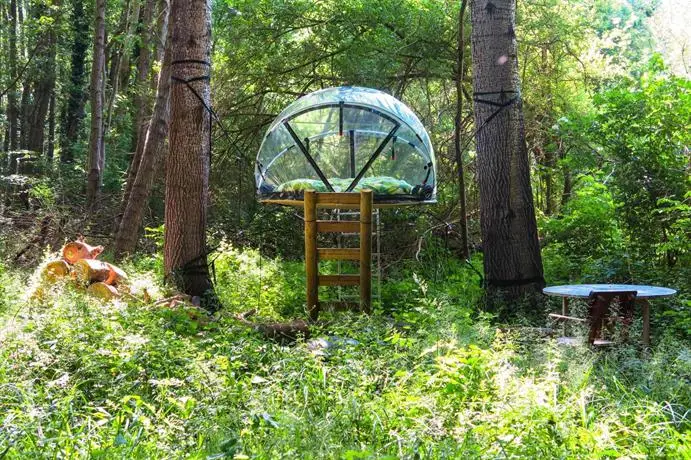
512	260
566	193
131	31
96	153
458	127
114	57
549	181
119	73
153	152
187	168
12	109
141	99
50	151
73	111
44	84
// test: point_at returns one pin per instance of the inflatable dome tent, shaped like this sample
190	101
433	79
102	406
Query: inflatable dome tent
343	140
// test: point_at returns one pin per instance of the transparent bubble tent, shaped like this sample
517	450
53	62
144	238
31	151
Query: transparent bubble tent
344	140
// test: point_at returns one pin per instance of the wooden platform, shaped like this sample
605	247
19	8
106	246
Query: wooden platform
377	205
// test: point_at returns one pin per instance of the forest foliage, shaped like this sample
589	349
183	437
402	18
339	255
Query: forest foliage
431	373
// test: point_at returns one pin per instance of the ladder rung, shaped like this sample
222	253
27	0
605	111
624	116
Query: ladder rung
566	318
339	280
338	199
334	226
338	253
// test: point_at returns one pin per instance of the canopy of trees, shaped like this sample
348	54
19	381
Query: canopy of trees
562	143
599	107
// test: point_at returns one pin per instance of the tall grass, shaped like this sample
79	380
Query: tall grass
425	377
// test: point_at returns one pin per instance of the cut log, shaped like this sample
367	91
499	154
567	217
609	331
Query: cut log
55	269
103	291
116	276
87	271
78	250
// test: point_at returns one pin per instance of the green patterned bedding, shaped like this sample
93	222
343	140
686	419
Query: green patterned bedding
382	185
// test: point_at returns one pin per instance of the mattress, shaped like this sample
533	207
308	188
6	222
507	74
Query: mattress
380	185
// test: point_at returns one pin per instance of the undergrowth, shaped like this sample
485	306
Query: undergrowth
426	376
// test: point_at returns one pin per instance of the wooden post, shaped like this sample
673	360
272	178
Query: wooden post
645	307
366	200
311	262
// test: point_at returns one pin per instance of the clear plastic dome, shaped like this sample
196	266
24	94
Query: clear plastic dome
346	139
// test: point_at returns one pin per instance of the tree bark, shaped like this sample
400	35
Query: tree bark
43	87
50	151
141	99
566	193
114	57
458	128
12	109
96	151
512	261
187	168
141	90
153	152
73	111
131	31
24	107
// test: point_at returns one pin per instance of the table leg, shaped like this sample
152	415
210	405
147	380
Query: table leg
564	312
596	312
645	307
627	307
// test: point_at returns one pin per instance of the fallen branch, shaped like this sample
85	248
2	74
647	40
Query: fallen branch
279	332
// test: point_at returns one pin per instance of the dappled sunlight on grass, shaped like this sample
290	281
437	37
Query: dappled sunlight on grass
429	376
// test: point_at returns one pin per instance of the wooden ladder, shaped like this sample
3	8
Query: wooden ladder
364	203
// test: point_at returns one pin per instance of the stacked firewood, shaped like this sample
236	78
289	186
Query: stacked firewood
79	262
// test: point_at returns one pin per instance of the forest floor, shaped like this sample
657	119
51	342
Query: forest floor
425	377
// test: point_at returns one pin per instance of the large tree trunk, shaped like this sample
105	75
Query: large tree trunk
153	152
458	128
512	261
73	111
187	168
96	152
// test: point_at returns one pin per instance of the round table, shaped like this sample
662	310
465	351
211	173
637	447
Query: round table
608	292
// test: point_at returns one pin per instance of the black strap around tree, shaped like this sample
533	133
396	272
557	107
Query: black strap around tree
515	282
500	105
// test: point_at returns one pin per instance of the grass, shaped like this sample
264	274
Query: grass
426	377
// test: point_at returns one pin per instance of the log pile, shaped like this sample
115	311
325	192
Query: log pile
79	263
